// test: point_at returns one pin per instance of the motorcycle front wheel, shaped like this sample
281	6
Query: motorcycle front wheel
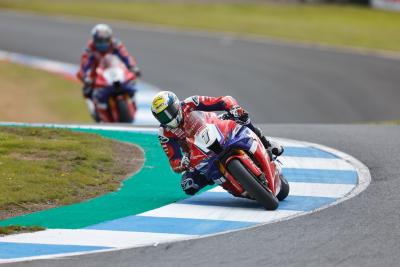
252	186
123	110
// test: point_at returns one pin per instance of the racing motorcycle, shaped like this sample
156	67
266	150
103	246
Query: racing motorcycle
226	151
113	74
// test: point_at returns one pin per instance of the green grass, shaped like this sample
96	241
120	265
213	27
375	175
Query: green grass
42	168
32	95
392	122
15	229
326	24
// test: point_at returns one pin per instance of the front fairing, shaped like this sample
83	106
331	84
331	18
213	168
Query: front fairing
233	136
110	70
241	137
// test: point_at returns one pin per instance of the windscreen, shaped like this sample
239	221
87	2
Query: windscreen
109	61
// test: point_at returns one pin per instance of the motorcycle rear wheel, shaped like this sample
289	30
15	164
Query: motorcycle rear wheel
123	110
252	186
284	192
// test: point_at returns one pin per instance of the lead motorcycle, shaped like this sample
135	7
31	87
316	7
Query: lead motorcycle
113	74
226	151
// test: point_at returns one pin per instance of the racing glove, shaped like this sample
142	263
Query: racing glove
185	162
239	114
136	70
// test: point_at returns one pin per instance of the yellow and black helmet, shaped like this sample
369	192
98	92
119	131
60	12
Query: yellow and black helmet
167	109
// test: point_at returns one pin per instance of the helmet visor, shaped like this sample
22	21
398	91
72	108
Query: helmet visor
176	121
102	46
102	43
168	114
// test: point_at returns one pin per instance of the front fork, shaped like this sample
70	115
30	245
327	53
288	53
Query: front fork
113	106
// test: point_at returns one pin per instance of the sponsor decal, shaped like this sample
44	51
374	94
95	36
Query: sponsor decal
187	183
159	104
205	136
163	139
177	132
194	99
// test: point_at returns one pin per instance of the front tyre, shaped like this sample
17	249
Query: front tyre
124	113
252	186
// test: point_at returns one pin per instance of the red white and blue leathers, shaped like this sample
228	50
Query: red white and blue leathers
91	58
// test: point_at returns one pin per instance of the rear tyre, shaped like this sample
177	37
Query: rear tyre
284	192
123	110
252	186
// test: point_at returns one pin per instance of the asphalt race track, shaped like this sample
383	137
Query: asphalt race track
298	85
276	83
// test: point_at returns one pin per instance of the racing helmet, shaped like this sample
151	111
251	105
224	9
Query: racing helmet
167	109
102	35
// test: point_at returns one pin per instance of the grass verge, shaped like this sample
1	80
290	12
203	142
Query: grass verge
392	122
16	229
32	95
44	168
325	24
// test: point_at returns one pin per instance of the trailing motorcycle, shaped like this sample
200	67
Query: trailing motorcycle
234	156
112	74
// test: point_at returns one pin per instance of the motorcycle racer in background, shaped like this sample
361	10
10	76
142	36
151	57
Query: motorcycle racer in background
100	45
169	111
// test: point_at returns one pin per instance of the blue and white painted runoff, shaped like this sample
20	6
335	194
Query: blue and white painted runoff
144	94
319	177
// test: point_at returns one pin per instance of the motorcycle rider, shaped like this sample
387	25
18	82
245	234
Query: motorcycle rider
169	111
100	45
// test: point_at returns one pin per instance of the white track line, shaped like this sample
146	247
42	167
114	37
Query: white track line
286	142
219	213
312	189
320	190
110	126
85	237
316	163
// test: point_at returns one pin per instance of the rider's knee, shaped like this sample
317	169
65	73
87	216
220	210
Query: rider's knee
192	182
189	186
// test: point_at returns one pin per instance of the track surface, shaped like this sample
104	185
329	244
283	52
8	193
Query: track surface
362	231
276	83
296	85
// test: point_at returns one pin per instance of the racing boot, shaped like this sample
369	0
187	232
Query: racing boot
275	148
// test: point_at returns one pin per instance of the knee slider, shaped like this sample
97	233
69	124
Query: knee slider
189	186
